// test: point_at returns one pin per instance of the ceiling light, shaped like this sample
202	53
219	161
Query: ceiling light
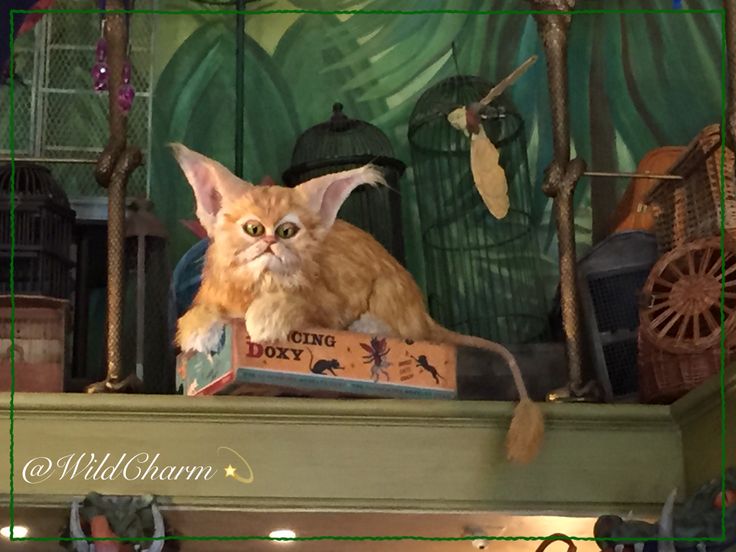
282	534
19	532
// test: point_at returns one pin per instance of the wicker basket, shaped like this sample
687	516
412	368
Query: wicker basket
680	319
689	209
664	377
680	310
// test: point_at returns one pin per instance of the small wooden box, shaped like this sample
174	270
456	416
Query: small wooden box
40	343
321	363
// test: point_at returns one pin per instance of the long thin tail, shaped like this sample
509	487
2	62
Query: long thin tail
526	432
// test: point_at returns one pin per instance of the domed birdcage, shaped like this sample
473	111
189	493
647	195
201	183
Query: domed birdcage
483	274
43	223
341	144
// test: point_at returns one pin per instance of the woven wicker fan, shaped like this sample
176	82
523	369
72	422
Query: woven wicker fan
682	297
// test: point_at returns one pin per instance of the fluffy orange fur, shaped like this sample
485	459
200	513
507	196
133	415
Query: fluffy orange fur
339	277
328	274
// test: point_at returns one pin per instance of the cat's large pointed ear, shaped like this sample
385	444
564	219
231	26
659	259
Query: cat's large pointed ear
325	194
211	182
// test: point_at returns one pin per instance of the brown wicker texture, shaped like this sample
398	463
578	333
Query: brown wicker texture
681	299
664	377
689	209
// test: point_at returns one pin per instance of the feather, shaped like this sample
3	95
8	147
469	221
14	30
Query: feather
458	119
488	175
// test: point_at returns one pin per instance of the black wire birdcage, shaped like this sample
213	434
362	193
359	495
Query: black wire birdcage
482	274
44	223
341	144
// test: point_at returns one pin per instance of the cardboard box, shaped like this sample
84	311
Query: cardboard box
320	363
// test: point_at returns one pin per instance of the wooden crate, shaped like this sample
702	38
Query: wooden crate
40	343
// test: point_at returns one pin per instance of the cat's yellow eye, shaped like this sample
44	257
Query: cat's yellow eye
254	228
287	230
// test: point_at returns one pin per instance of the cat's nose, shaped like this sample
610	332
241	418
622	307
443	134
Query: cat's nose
269	240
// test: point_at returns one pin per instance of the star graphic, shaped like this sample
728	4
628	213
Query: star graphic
230	471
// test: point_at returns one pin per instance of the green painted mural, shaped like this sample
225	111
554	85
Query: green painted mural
637	81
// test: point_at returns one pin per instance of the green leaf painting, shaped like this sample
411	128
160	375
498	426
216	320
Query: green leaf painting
195	105
636	82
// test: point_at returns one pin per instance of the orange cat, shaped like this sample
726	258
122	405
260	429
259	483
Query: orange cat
280	260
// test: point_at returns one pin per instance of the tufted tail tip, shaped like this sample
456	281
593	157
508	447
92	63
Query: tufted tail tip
526	433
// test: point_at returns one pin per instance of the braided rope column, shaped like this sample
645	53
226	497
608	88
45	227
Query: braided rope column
560	180
114	167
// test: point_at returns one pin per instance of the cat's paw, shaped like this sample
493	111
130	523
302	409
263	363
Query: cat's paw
200	338
369	324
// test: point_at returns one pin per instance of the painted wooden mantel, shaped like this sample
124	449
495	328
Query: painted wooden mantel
367	454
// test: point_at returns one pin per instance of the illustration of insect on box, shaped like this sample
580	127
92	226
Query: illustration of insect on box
320	363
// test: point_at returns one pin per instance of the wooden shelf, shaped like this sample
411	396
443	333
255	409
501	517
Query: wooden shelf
386	455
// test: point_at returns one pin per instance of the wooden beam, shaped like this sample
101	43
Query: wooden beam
699	416
346	455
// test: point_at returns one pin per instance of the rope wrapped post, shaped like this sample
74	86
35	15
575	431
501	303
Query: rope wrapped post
560	180
114	167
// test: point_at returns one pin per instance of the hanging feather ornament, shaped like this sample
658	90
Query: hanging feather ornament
488	175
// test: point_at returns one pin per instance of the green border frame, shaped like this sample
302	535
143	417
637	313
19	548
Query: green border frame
721	11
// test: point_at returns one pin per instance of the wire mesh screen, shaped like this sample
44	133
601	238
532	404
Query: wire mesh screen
57	113
482	273
615	299
611	277
620	356
25	84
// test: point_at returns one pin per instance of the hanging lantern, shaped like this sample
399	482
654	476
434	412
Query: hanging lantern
483	273
146	291
341	144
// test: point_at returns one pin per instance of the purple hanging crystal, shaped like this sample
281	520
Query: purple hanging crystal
99	70
126	93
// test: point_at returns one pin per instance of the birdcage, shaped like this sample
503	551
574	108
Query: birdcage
611	277
146	324
483	274
43	223
341	144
